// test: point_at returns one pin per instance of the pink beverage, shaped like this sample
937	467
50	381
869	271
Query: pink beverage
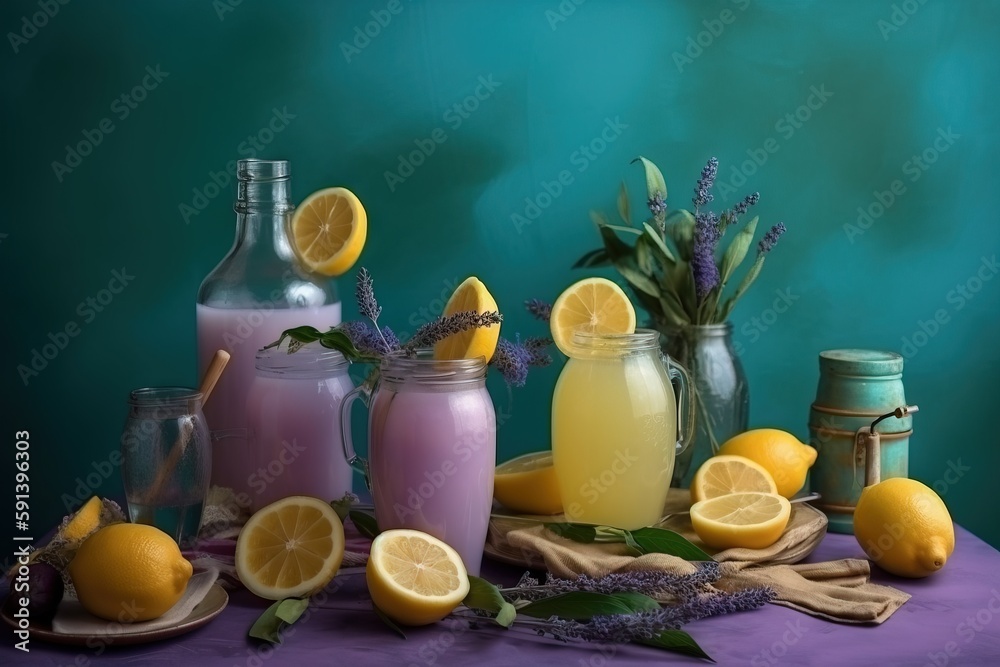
242	332
432	448
258	290
293	417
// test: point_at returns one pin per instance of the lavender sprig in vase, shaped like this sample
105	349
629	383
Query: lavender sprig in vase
679	277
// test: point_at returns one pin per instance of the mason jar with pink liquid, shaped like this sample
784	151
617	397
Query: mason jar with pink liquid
293	425
431	449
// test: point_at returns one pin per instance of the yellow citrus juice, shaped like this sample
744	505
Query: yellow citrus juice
614	437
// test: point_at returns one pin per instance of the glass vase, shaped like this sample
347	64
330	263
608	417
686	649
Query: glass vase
720	390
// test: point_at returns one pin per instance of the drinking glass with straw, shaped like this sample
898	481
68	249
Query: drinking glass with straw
167	455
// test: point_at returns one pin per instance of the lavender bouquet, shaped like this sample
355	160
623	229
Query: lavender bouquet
366	341
673	266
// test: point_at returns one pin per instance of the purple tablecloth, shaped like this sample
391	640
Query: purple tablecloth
953	618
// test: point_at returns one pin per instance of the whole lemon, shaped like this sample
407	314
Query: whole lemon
904	527
129	572
779	452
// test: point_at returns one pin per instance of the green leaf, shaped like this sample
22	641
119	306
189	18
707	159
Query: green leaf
365	523
577	606
592	259
342	507
644	257
654	236
737	251
680	228
389	622
268	625
634	275
637	601
626	230
654	179
623	206
290	609
486	597
663	541
748	278
615	247
574	531
677	641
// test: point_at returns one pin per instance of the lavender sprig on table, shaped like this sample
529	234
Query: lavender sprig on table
652	583
645	625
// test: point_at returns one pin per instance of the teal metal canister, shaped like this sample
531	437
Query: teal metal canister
855	388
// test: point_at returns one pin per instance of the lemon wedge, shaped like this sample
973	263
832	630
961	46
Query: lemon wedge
414	578
328	231
748	520
591	305
291	548
721	475
471	295
528	484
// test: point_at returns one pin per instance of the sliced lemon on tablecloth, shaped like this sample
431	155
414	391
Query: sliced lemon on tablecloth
291	548
721	475
748	520
591	305
528	484
328	231
471	295
414	578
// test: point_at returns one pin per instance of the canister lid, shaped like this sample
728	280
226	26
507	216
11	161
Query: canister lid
857	362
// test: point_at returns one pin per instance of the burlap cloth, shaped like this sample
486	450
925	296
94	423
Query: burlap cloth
838	590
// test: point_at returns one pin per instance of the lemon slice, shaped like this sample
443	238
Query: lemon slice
414	578
724	474
528	484
748	520
291	548
328	231
471	295
592	305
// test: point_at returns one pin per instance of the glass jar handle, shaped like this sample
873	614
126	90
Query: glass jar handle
681	380
358	463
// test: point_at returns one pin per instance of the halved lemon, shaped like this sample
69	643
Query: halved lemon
724	474
291	548
748	520
414	578
591	305
328	231
528	484
471	295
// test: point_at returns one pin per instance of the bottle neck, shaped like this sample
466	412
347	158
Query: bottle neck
263	205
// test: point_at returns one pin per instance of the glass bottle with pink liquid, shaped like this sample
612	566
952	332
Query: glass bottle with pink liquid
257	291
431	449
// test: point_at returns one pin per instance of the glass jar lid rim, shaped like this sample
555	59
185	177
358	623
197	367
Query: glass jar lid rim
306	358
163	395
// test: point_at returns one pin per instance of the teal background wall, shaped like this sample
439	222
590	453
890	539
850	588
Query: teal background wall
680	82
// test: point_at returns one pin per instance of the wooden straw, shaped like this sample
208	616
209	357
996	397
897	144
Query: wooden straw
208	382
